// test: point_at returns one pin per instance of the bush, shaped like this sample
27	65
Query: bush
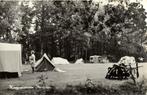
89	88
128	88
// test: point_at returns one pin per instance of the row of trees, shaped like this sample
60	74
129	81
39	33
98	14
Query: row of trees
74	29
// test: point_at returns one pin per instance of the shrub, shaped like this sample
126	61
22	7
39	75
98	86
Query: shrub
89	88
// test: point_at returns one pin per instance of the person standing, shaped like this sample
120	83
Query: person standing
32	61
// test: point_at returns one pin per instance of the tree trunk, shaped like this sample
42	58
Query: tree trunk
42	29
41	52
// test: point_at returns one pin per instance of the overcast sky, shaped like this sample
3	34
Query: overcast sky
144	2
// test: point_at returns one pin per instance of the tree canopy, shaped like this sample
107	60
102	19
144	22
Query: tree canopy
74	29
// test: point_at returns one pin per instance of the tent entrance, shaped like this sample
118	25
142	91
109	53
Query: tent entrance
44	65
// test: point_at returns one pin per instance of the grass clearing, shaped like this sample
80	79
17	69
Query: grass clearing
75	74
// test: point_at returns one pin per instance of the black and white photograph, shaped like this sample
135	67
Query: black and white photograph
73	47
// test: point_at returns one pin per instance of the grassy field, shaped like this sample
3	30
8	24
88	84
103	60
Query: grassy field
74	75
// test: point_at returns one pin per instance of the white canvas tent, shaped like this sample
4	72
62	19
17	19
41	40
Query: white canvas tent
128	60
10	59
79	61
59	60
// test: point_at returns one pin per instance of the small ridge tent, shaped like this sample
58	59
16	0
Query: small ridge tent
44	64
59	60
10	60
79	61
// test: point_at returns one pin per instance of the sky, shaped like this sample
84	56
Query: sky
144	2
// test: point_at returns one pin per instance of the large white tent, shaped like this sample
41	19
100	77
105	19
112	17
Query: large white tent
79	61
10	58
59	60
127	60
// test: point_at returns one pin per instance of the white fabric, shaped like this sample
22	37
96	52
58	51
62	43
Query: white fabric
9	47
127	60
59	60
58	70
10	58
26	87
141	58
79	61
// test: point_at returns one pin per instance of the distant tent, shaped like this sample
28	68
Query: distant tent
10	60
44	64
127	60
130	60
79	61
59	60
